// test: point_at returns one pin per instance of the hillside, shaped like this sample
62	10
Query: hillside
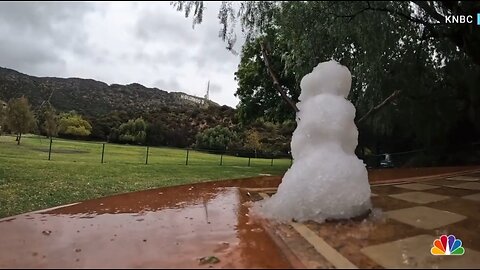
89	97
107	106
174	118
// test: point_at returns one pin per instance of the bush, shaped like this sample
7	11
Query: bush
72	124
217	138
134	131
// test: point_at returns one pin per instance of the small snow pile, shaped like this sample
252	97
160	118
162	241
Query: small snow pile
326	180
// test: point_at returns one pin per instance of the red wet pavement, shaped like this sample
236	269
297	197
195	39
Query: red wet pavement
169	227
154	228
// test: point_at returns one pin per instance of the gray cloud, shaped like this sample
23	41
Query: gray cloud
60	22
18	52
215	88
33	35
206	50
170	84
149	43
154	25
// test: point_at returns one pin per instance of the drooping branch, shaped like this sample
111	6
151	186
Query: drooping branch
282	92
463	37
383	9
430	10
276	83
379	106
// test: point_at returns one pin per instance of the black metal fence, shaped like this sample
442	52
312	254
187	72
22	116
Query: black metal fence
102	152
68	150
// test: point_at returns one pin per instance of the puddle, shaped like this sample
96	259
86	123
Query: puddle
175	230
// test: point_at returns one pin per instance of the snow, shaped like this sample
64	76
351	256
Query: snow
326	180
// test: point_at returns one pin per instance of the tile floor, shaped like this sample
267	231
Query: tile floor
408	218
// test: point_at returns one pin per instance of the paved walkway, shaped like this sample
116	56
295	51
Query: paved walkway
406	220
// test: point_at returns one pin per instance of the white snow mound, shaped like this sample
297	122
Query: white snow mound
326	180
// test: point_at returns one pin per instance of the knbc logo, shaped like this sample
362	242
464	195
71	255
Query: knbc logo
462	19
447	246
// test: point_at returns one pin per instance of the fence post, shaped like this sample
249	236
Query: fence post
186	161
221	159
291	161
103	151
248	161
146	158
271	164
50	148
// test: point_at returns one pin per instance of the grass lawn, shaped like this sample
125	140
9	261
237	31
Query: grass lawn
29	181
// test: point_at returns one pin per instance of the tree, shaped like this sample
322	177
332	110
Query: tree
134	131
415	79
50	119
156	133
20	118
72	124
358	34
217	138
252	141
256	89
427	16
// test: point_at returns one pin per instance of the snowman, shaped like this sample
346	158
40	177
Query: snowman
326	180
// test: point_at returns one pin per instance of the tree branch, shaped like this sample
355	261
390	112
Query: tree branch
280	89
392	12
274	77
430	10
379	106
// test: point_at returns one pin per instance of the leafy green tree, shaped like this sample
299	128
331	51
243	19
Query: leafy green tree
73	124
415	78
20	118
156	132
177	136
106	126
428	17
216	138
256	91
253	141
134	131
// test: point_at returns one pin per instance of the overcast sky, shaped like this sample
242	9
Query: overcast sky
144	42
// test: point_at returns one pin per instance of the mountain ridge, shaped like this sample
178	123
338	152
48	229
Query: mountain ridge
179	115
106	97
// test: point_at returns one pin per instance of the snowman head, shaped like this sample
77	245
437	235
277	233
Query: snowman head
326	78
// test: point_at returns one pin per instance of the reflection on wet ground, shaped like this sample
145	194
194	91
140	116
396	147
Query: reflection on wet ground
151	229
174	227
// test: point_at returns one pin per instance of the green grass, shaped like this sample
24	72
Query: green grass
29	181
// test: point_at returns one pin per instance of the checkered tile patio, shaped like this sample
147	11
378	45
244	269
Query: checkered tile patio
407	218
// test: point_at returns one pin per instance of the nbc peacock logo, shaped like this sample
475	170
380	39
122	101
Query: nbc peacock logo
447	245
